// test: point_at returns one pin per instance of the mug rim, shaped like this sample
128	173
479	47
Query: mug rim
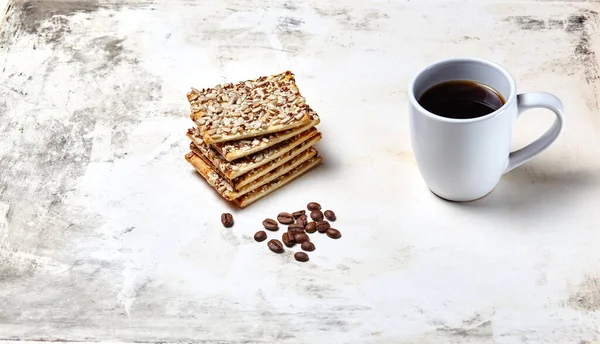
504	71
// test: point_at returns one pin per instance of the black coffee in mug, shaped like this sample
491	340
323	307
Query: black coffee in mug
461	99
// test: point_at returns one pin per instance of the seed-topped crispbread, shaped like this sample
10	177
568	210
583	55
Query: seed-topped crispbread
268	188
249	108
205	168
247	178
237	168
232	150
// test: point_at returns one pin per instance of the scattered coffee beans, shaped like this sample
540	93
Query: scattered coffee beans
227	219
313	206
298	229
260	236
275	246
298	213
301	256
270	224
316	215
301	237
287	239
285	218
330	215
334	233
323	226
308	246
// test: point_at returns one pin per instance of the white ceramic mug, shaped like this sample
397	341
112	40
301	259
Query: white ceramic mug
463	159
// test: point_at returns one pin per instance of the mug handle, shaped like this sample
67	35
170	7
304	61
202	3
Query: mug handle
527	101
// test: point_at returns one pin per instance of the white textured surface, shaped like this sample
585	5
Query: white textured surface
107	234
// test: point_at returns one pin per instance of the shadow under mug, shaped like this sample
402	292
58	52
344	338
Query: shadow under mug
464	159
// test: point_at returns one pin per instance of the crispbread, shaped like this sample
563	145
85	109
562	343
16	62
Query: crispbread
205	168
197	151
249	108
266	189
232	150
234	169
260	171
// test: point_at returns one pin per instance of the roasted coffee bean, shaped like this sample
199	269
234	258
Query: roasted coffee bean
270	224
275	246
330	215
311	227
302	220
316	215
298	213
313	206
323	226
334	233
301	256
292	235
287	239
285	218
227	219
300	238
293	231
260	236
296	227
308	246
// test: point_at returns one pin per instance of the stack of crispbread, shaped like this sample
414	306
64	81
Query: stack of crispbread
253	137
